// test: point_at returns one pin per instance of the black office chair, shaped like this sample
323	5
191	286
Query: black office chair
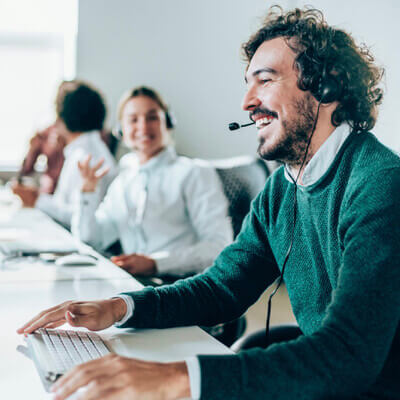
242	179
258	339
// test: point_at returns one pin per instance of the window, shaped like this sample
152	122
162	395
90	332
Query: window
37	51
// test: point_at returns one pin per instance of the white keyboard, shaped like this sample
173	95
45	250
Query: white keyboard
56	351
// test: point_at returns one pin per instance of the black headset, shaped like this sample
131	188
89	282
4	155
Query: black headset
170	122
328	89
317	78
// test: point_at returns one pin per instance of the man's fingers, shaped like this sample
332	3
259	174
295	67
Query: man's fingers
54	325
82	375
104	388
51	317
41	315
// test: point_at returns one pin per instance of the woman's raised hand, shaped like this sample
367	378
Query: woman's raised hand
91	175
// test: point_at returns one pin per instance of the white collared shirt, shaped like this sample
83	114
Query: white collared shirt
170	208
61	205
323	158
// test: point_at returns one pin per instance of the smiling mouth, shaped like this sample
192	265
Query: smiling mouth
264	121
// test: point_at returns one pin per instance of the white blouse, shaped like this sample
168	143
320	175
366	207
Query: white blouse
171	208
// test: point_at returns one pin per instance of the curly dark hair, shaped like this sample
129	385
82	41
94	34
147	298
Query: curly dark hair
80	106
322	49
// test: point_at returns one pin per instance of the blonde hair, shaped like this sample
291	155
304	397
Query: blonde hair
140	91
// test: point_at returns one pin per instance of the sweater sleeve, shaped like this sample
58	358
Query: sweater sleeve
345	356
223	292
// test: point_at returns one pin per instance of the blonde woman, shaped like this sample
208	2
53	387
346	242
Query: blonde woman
169	213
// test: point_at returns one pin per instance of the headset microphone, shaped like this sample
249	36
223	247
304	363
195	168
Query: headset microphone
234	125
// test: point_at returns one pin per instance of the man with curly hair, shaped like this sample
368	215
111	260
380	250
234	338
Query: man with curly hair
327	222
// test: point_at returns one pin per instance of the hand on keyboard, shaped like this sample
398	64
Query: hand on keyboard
93	315
116	377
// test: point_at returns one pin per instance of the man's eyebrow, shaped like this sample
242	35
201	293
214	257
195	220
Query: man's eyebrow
261	70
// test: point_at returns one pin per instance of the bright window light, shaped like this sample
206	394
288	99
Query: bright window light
37	49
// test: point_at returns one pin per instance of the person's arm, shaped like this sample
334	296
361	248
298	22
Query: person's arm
248	251
125	377
93	223
207	209
35	149
342	358
56	208
239	275
94	315
61	205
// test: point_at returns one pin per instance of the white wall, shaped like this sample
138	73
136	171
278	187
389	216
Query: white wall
190	51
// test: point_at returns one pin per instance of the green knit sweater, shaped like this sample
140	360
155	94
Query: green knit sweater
343	280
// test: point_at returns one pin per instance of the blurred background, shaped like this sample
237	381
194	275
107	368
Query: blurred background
188	50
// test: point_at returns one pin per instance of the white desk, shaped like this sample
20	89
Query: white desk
27	225
23	294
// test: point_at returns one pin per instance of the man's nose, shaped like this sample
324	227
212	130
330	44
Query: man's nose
250	100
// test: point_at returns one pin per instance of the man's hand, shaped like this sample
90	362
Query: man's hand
94	315
136	264
116	377
27	194
91	175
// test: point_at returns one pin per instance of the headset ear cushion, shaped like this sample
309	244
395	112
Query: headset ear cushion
329	91
169	120
117	131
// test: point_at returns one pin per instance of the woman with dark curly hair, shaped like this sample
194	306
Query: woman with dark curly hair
81	112
327	222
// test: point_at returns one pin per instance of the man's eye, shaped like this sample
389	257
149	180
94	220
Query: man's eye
152	118
266	80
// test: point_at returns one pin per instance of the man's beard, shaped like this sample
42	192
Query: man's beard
291	147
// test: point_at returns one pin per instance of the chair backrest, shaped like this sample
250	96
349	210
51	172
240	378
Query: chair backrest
242	179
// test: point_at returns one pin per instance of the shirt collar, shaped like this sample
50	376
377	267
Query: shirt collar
81	141
323	158
162	158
